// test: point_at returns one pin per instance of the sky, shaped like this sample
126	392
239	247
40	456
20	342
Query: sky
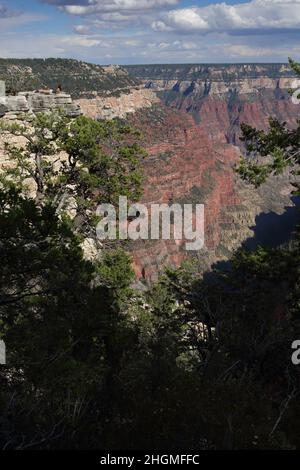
151	31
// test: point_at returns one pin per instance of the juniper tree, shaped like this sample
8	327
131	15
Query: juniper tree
82	161
272	151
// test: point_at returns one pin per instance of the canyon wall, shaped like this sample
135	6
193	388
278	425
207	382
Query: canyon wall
221	97
187	165
111	107
190	118
192	138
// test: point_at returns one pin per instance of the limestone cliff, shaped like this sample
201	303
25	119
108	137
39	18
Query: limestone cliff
118	106
190	119
221	97
11	107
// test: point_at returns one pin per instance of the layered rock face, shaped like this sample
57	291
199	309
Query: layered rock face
222	97
35	102
118	106
185	165
214	72
181	161
190	119
192	143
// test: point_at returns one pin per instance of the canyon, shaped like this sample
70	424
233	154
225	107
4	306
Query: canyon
190	117
221	97
193	141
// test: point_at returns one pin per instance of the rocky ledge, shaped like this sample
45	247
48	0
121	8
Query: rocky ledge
35	102
118	106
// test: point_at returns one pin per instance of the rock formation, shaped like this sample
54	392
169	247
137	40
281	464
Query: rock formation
190	119
187	165
118	106
222	97
34	102
192	145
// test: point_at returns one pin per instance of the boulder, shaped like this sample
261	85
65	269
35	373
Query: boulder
3	109
17	104
41	102
91	249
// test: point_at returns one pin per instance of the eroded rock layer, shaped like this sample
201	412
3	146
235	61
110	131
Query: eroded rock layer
221	97
188	164
118	106
12	107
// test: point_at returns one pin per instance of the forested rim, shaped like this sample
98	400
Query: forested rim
79	79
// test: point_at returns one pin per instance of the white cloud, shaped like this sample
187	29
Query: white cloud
121	48
102	6
160	26
256	14
80	41
119	31
81	29
238	51
115	14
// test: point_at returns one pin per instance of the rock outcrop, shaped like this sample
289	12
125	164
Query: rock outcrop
41	102
35	102
118	106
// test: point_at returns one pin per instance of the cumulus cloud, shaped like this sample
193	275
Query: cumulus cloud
163	31
89	7
81	29
221	17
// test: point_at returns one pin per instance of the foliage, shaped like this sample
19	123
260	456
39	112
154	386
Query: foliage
279	147
81	161
55	319
270	152
78	78
193	363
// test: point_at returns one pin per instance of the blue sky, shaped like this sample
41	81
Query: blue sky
151	31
